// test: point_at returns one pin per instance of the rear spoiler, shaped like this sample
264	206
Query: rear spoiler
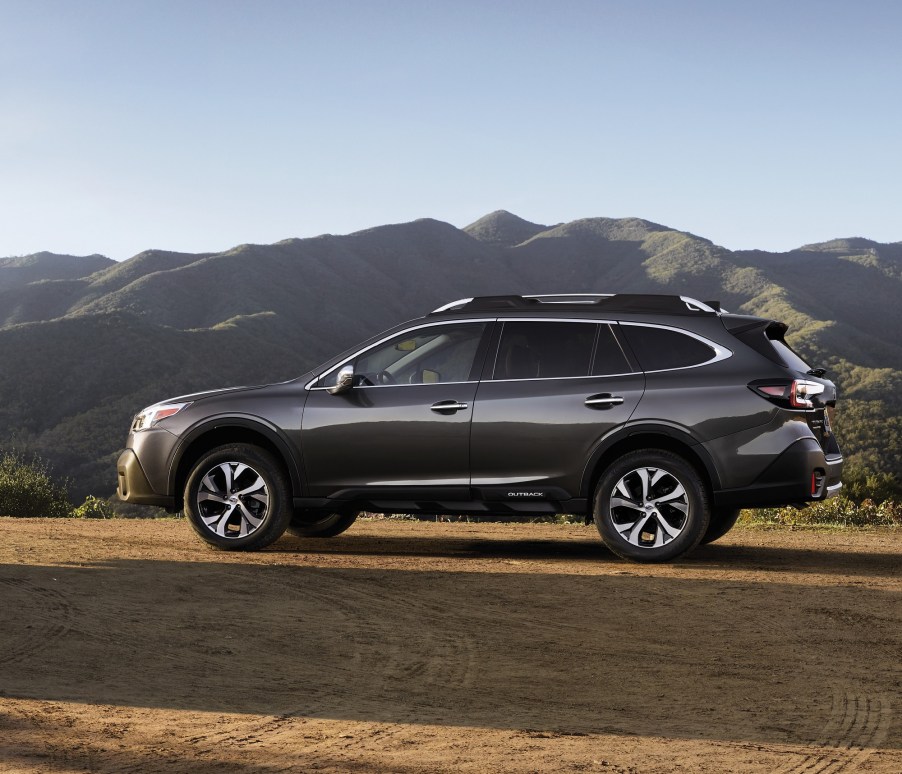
739	324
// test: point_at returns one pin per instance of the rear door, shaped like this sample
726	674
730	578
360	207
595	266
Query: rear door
551	390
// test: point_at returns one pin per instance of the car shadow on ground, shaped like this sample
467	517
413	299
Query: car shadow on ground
831	559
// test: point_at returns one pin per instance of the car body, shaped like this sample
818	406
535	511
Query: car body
658	416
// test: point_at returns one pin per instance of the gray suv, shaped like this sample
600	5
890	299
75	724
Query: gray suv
658	417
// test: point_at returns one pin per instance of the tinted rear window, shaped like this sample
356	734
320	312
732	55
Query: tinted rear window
544	350
789	357
659	348
609	358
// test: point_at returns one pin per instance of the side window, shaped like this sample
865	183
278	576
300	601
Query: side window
659	349
438	353
609	357
544	350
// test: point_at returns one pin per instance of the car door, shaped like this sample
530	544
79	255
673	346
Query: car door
554	389
404	427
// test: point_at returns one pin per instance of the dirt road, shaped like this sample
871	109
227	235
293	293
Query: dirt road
419	647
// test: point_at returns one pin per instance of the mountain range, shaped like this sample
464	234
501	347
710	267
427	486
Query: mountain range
85	342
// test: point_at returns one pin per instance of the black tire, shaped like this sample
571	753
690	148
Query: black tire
224	497
722	521
321	525
666	525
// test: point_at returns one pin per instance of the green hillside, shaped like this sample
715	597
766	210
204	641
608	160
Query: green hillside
86	342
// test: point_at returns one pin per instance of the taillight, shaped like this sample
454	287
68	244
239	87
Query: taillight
774	390
802	391
798	393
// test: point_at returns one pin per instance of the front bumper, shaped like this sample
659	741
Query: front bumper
142	469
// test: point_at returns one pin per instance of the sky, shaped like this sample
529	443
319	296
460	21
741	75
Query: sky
197	125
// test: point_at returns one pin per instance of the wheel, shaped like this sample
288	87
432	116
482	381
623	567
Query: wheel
238	498
323	525
651	506
722	521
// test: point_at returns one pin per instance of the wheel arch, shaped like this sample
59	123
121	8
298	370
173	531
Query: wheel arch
219	431
650	437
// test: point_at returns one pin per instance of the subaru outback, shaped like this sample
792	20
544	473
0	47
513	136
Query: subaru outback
658	417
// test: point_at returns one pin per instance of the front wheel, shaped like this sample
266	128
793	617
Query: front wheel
304	524
238	498
651	506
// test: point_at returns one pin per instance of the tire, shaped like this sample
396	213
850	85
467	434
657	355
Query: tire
238	498
305	524
627	512
722	521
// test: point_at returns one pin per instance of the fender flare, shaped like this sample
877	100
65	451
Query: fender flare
633	431
245	421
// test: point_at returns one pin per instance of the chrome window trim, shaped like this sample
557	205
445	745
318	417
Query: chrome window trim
400	384
359	352
720	353
559	378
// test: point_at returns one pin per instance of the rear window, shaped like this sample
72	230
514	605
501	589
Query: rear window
788	356
544	350
609	358
659	349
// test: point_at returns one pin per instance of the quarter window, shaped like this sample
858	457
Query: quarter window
544	350
659	349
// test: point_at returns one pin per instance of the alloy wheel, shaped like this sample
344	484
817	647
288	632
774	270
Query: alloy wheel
232	500
649	507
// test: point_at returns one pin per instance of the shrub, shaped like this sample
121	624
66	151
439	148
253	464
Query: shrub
28	491
836	511
93	508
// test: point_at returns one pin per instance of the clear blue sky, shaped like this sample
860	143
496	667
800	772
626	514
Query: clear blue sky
197	125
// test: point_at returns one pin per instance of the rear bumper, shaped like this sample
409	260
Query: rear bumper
802	473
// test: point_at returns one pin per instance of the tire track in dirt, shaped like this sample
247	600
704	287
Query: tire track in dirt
858	723
388	644
403	651
48	607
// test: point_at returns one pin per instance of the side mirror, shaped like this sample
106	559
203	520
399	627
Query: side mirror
344	381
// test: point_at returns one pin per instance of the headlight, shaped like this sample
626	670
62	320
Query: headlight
149	417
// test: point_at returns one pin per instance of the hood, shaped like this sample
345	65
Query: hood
196	396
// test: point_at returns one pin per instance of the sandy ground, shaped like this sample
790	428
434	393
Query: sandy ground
419	647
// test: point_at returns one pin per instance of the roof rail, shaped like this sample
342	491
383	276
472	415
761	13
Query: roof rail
609	302
570	298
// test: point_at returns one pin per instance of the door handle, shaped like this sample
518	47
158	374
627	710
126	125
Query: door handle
448	405
603	401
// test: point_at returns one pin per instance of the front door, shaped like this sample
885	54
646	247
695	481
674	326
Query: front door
404	428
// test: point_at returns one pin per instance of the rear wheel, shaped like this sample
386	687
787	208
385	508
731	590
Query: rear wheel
651	506
722	521
320	525
238	498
